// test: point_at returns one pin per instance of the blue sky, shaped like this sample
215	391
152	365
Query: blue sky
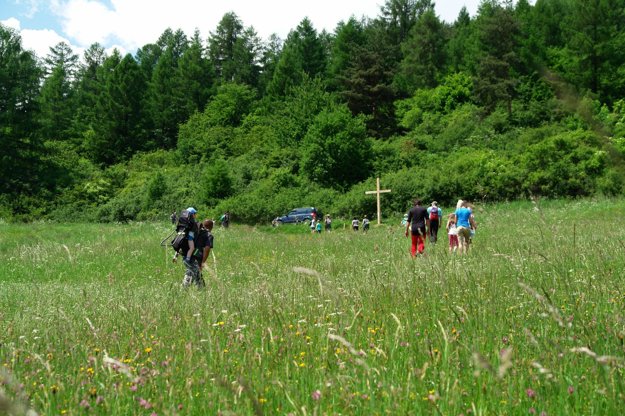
130	24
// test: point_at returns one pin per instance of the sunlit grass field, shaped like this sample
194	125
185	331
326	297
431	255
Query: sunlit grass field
93	319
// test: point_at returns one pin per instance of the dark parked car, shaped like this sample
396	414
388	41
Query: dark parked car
297	215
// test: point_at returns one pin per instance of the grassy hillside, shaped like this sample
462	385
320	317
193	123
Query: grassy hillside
93	319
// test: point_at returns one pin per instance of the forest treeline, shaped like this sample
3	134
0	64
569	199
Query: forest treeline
519	100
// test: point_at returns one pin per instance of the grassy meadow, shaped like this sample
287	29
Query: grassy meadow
532	321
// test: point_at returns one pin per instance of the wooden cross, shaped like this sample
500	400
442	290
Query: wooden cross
378	191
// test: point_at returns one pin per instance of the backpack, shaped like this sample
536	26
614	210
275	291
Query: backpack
434	213
184	224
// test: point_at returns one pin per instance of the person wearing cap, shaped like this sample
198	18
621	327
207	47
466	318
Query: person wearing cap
435	214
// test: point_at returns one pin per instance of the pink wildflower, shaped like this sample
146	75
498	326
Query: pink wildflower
316	395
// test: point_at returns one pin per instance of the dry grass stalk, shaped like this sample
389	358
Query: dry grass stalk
553	311
609	360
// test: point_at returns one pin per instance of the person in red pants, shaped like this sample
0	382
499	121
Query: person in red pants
417	225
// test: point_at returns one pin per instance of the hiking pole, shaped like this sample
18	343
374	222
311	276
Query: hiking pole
168	236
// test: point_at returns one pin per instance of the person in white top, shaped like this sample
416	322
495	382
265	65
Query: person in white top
355	224
452	232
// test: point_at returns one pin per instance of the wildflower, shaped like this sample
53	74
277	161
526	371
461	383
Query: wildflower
99	400
505	340
144	403
532	411
530	393
262	400
85	404
133	387
316	395
571	389
148	350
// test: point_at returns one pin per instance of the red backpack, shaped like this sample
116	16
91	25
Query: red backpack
433	213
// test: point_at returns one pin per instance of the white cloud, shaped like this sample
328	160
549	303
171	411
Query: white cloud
134	23
86	21
11	22
40	41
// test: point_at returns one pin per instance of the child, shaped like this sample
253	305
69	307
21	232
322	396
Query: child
318	227
365	224
355	224
452	232
313	225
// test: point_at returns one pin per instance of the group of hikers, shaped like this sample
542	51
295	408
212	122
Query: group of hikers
421	222
315	224
194	239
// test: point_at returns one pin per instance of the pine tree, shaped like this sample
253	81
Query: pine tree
303	55
88	87
119	131
424	54
497	30
21	148
57	106
197	76
235	51
166	102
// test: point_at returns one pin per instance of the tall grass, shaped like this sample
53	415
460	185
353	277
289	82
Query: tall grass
93	319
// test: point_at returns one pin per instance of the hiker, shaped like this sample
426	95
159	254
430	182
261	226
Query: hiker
313	225
225	219
173	217
328	222
452	232
435	215
318	227
465	223
204	244
355	224
417	224
365	224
